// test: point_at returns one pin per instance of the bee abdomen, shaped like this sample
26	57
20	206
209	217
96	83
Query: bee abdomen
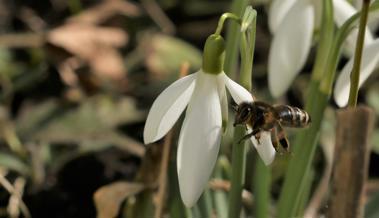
292	116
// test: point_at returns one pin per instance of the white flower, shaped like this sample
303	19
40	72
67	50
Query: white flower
292	23
201	131
290	46
370	59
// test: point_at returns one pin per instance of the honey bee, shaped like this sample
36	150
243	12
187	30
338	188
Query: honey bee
260	116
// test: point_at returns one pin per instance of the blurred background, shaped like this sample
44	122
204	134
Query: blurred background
77	78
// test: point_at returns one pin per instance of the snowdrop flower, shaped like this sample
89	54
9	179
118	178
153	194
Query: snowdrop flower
203	93
370	60
292	23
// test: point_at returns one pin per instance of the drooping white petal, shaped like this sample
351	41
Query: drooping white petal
238	93
290	47
167	108
199	139
278	10
370	59
223	101
343	10
265	148
373	19
317	5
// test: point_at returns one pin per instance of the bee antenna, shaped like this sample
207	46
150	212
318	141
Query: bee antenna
234	106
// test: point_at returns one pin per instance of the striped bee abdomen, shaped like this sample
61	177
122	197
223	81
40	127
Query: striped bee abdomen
292	116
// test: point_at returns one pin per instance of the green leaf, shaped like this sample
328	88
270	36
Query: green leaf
248	29
92	123
248	19
165	56
14	163
372	209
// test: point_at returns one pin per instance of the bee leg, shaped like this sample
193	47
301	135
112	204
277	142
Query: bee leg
275	140
282	137
258	137
249	135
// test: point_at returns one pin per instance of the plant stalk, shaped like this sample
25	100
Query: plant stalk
222	20
233	38
261	187
239	150
354	76
305	142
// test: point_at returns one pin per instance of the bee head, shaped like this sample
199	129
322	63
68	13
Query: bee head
243	113
234	106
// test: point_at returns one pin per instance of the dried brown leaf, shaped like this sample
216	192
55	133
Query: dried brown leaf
93	44
83	40
109	198
106	10
107	62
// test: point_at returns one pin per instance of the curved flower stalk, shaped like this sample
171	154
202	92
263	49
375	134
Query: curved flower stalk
292	23
204	95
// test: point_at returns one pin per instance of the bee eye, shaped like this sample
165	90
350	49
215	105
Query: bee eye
245	113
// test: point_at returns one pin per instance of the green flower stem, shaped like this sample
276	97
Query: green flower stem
298	168
233	36
326	40
222	20
346	28
205	203
220	196
261	187
354	77
238	172
262	173
239	149
292	195
306	142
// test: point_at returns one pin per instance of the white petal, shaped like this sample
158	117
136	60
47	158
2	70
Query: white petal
278	11
223	101
238	93
290	47
265	148
317	5
167	108
370	59
373	18
199	139
343	10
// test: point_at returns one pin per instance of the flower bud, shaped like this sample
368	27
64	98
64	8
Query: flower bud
214	54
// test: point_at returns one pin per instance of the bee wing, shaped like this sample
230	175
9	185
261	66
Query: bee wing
280	137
